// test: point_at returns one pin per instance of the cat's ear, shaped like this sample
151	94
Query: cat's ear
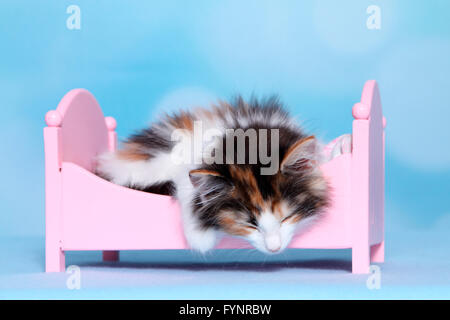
201	176
300	156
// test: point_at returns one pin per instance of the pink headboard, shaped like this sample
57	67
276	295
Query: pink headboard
83	129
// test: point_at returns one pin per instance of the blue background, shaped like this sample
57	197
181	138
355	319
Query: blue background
141	57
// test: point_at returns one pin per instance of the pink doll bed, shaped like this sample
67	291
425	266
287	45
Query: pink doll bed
85	212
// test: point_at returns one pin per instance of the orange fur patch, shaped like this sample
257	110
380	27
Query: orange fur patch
132	152
247	181
230	226
204	171
183	121
276	209
294	218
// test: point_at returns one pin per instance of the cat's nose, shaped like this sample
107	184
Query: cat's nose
273	242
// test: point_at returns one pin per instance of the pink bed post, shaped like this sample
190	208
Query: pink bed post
377	250
111	124
54	255
367	179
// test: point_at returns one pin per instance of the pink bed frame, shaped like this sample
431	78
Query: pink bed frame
85	212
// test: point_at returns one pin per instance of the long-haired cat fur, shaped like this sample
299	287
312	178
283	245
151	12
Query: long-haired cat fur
228	196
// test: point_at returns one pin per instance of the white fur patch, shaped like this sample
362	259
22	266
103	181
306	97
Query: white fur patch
273	235
197	238
139	173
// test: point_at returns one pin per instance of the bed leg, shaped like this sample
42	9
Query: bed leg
110	255
55	260
361	259
377	252
54	255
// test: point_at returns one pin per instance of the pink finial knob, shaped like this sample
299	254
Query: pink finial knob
53	118
360	111
384	122
111	123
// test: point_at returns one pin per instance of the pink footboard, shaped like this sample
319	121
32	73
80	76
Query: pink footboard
85	212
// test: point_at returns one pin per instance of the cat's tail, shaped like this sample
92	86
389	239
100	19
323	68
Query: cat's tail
139	173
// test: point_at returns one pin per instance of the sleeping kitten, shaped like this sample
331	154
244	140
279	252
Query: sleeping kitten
263	189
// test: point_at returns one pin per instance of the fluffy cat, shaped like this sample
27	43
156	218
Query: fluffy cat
224	189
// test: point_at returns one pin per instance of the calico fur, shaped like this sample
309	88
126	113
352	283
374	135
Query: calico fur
233	198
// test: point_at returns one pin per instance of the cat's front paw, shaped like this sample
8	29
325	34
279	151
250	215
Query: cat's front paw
201	240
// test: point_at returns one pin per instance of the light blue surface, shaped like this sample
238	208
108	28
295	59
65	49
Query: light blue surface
139	58
417	267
